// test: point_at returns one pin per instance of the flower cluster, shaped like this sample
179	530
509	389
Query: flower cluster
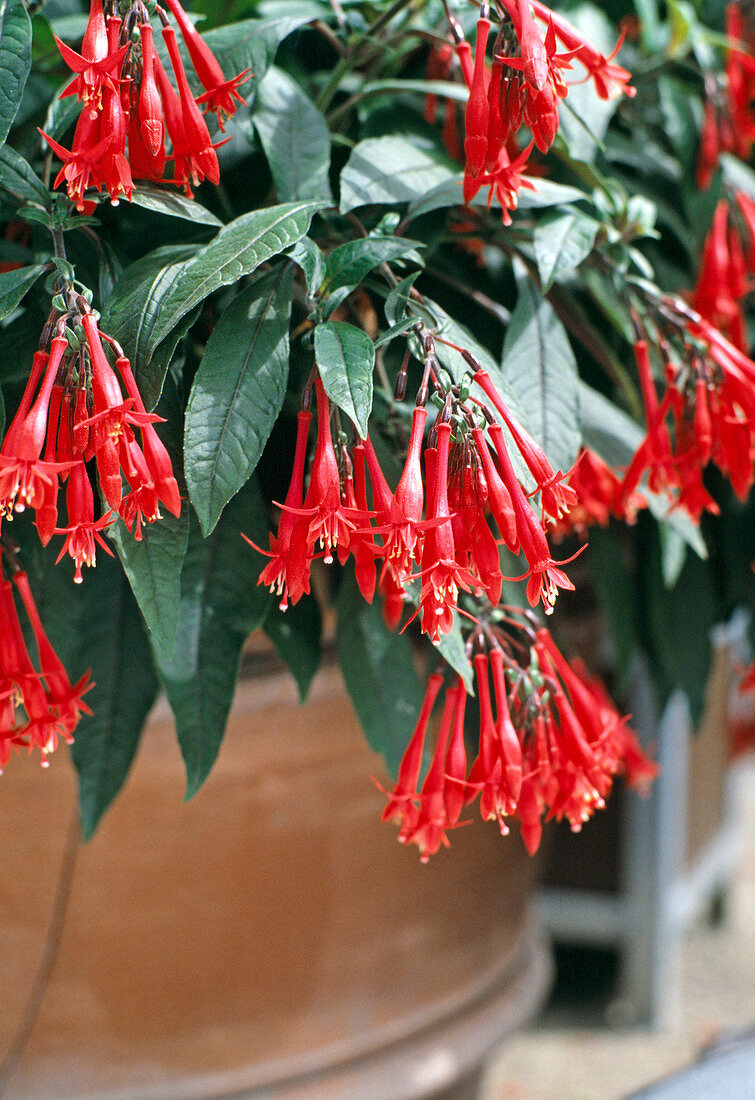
729	122
38	706
522	86
706	413
130	105
549	742
434	530
600	496
73	410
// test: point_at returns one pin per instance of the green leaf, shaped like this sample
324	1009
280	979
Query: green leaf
97	626
15	284
220	605
539	366
606	429
133	311
294	136
348	264
392	169
679	622
673	554
295	634
345	358
19	179
562	242
151	196
15	60
238	249
253	43
307	255
237	393
379	674
153	567
449	193
451	649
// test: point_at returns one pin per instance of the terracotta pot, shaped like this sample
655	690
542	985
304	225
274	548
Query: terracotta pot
268	939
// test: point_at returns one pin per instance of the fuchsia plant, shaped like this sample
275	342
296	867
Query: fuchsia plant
202	364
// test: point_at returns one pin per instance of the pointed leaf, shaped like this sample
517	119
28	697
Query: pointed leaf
392	169
307	255
379	674
97	626
295	634
153	567
15	60
348	264
19	179
539	366
133	311
238	249
237	393
14	285
562	242
294	136
152	196
345	358
220	605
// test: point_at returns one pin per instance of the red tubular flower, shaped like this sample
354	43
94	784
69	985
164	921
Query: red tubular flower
441	574
82	166
25	479
427	828
83	531
545	576
557	498
155	452
399	515
51	703
193	152
115	167
93	76
477	111
360	546
401	800
65	698
150	112
287	573
609	80
219	93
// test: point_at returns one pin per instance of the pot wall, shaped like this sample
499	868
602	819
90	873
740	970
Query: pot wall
270	935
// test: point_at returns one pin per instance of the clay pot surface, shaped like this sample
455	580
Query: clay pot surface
269	938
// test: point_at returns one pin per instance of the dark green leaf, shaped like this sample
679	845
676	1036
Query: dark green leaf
307	255
605	428
679	622
220	605
379	674
294	136
152	196
153	567
348	264
18	342
539	366
238	249
97	626
133	311
237	393
15	60
14	285
451	649
562	242
295	634
253	43
19	179
392	169
345	358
